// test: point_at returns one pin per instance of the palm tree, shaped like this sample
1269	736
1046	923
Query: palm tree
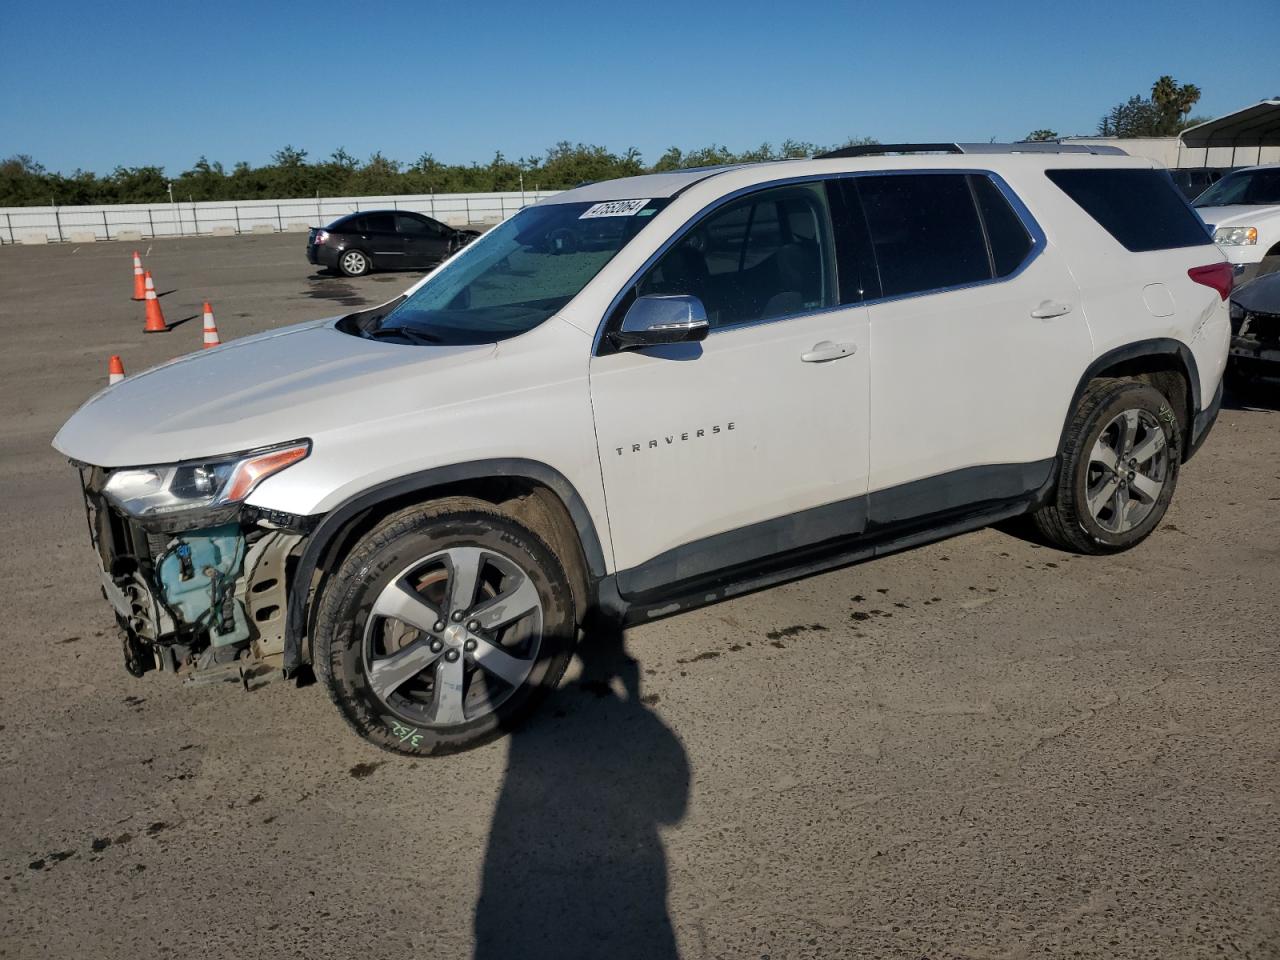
1164	93
1188	97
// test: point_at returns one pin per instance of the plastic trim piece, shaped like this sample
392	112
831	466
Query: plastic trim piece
909	511
758	575
1158	347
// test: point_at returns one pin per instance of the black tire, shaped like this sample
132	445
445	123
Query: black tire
346	626
355	263
1066	520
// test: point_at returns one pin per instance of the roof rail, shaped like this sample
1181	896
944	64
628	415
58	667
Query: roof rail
1027	146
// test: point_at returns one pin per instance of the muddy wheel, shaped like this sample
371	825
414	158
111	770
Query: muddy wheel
444	630
1119	467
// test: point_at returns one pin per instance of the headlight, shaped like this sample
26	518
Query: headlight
1235	236
217	482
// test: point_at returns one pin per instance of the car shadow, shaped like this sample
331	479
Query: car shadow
1255	395
575	866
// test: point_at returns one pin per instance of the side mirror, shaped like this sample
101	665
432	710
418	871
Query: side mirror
652	321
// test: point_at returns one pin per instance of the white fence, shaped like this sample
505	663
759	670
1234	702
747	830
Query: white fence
134	221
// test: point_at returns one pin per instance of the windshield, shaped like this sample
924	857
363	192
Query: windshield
518	274
1249	187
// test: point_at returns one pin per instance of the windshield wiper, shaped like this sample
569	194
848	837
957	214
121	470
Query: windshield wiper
407	333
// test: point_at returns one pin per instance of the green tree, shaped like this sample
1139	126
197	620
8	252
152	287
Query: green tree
1037	136
1164	114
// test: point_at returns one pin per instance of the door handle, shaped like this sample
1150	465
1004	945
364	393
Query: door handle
826	350
1049	309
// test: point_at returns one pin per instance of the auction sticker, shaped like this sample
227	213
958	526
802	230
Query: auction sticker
614	208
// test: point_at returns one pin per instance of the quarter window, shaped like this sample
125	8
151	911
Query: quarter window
765	256
925	231
1140	208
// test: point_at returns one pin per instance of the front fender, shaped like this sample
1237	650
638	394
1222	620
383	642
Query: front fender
337	519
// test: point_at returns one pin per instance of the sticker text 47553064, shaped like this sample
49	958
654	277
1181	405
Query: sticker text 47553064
614	208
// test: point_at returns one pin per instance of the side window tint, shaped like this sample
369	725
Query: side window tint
765	256
925	230
412	226
726	237
1142	209
855	259
1010	242
379	223
353	225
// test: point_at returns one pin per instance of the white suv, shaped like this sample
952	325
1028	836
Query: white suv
645	395
1243	213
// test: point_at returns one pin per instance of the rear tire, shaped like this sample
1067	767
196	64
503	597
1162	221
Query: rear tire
1118	469
354	263
445	627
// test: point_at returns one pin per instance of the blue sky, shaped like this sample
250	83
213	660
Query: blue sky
97	84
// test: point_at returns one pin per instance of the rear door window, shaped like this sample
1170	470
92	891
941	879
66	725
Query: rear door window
1006	233
1142	209
379	223
925	231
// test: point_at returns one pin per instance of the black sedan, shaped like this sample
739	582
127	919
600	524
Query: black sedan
384	240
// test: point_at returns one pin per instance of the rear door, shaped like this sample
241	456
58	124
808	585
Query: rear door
426	242
978	341
383	240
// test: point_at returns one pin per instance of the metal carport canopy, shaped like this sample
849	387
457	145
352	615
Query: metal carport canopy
1254	126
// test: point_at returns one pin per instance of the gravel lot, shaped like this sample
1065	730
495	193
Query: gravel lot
977	749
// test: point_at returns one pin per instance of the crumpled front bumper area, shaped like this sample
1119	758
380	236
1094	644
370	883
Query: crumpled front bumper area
1255	340
208	603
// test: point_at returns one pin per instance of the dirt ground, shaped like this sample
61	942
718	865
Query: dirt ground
977	749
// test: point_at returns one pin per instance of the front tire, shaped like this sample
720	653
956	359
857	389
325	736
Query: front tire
354	263
443	630
1119	467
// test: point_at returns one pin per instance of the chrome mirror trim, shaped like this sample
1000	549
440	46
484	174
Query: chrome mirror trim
654	320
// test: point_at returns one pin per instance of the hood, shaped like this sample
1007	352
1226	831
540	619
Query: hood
1236	215
1260	295
295	382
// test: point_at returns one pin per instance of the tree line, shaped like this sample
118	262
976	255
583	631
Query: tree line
24	182
291	173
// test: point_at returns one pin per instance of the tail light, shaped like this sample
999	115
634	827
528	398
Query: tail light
1220	276
321	237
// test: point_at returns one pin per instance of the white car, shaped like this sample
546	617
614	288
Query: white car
1242	211
649	394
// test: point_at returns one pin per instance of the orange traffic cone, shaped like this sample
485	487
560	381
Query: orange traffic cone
155	316
210	328
139	284
115	370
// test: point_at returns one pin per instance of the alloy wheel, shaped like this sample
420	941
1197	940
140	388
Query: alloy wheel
453	636
1127	471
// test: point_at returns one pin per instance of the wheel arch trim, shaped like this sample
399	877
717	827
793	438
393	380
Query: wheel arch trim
1162	347
333	522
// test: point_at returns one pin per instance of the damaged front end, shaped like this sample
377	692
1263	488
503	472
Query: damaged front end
197	579
1255	336
1255	327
